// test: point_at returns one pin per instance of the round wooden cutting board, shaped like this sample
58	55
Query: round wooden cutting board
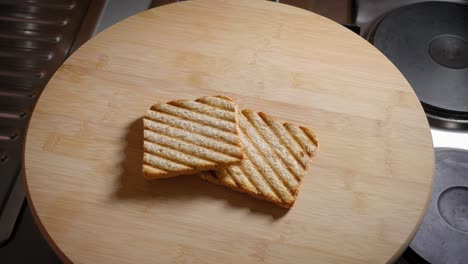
361	200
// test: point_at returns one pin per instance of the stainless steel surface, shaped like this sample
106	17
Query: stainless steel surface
450	139
117	10
35	37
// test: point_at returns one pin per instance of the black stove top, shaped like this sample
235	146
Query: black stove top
443	235
428	43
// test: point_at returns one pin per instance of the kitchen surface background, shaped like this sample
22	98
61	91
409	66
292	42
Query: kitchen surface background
36	36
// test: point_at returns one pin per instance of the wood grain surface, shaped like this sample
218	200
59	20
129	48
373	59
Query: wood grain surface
360	202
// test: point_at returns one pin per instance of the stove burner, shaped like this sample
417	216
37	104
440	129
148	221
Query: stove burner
443	234
449	51
453	207
428	42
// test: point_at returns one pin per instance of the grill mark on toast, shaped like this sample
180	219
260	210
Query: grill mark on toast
187	147
311	136
238	175
176	155
218	101
270	176
156	161
301	138
288	158
193	127
205	109
246	178
264	139
194	117
189	136
232	182
267	154
226	179
285	137
301	152
261	183
194	138
214	106
289	163
234	179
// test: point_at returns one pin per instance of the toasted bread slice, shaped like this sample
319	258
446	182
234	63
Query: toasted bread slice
186	137
277	157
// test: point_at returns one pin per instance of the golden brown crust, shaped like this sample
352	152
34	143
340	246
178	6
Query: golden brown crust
277	157
150	173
